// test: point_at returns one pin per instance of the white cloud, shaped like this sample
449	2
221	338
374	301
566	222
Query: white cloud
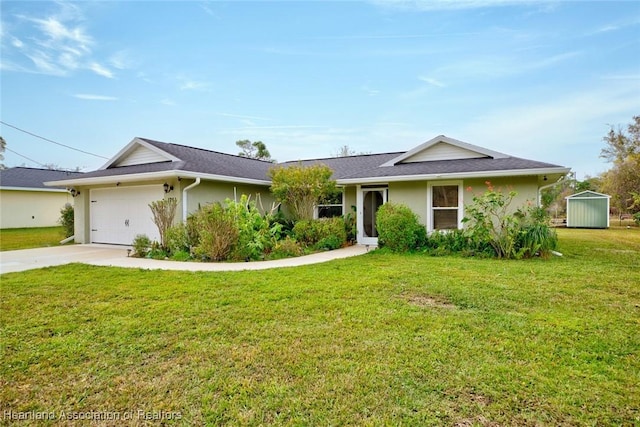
56	44
17	43
121	60
101	70
565	130
432	81
92	97
189	84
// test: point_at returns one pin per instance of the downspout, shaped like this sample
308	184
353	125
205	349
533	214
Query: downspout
185	205
544	187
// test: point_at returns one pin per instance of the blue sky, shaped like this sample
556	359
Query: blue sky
539	80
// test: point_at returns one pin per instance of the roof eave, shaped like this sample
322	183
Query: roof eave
35	189
151	176
456	175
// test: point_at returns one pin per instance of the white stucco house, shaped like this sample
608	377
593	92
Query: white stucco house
26	202
432	179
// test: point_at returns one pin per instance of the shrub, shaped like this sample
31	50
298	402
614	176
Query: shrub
164	211
301	188
157	251
181	256
255	233
286	248
67	220
398	228
351	226
447	242
218	232
490	221
522	233
330	231
636	218
536	236
141	245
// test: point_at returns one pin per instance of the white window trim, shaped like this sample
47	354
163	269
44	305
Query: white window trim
316	209
460	208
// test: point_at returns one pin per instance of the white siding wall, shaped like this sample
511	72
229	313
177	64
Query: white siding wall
141	155
442	151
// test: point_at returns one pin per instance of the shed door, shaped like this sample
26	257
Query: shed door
119	214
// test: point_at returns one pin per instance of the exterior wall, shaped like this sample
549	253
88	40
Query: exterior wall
349	199
413	194
19	209
588	213
526	187
210	192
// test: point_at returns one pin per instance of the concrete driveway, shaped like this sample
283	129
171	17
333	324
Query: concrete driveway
116	256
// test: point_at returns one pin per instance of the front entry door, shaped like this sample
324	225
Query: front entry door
370	200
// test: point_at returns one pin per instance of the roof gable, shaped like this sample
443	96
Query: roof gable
444	148
139	152
588	194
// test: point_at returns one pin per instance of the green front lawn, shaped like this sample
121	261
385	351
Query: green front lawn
26	238
379	339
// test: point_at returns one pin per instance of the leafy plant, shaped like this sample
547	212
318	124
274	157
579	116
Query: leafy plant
67	220
164	212
330	231
351	225
490	220
255	233
301	188
218	232
511	233
398	228
141	245
286	248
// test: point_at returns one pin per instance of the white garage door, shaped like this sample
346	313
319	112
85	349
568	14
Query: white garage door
119	214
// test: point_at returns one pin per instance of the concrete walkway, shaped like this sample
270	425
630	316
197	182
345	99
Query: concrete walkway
116	256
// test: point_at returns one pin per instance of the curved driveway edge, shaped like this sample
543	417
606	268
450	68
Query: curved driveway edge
116	256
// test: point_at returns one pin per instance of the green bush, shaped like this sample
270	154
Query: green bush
636	218
519	233
141	246
218	232
256	235
447	242
398	228
536	236
328	231
286	248
67	220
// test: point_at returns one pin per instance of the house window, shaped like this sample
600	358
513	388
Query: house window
445	206
332	207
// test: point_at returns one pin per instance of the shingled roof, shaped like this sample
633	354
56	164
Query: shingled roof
182	160
32	178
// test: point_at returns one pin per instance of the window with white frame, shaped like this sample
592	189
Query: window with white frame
445	205
331	207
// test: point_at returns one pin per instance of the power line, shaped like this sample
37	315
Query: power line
48	140
25	157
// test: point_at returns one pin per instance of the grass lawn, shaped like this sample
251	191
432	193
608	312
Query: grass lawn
373	340
25	238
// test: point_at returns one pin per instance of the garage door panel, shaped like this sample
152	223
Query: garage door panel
119	214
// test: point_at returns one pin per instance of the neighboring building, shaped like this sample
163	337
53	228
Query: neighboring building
112	206
588	209
26	202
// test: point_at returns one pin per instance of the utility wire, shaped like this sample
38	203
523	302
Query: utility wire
25	157
48	140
